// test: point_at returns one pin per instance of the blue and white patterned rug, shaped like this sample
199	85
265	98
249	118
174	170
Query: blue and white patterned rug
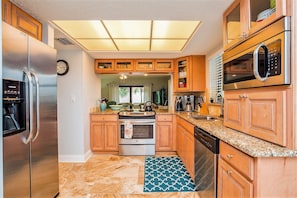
166	174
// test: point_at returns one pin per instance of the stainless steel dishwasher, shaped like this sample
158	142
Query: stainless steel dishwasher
206	163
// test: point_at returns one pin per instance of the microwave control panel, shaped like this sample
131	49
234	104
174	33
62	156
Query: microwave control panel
274	58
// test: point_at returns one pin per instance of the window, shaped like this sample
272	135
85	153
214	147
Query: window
216	77
131	94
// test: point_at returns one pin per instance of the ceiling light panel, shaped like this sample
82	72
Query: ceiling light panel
98	44
174	29
83	29
168	45
128	29
133	44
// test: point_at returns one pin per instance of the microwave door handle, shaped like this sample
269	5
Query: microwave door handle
30	103
256	63
36	79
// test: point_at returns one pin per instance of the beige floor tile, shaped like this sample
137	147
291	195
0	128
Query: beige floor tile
109	176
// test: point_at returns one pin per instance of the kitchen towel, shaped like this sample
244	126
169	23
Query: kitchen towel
166	174
128	130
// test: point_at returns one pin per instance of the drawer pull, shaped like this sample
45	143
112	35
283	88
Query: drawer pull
229	172
229	156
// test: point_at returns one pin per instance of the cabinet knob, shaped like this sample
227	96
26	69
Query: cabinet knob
229	156
229	172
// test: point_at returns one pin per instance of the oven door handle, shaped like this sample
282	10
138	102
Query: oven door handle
256	62
138	122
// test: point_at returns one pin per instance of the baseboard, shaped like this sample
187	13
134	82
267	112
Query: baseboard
75	158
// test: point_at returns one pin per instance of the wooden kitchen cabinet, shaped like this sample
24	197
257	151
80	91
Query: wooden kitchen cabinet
243	18
235	173
165	133
6	11
163	65
21	20
124	65
240	175
185	144
104	66
145	65
104	133
189	74
261	112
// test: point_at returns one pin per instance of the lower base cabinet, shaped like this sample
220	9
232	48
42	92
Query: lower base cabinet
104	133
240	175
185	144
165	133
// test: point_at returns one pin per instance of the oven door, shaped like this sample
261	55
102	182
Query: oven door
143	132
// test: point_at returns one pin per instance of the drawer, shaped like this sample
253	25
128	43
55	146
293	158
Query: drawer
239	160
186	125
100	118
164	118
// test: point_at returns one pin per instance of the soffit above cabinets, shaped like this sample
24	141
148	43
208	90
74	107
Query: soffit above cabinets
129	35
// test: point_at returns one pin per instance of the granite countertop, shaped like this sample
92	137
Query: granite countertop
250	145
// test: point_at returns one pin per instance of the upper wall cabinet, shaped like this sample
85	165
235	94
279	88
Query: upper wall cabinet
163	65
21	20
144	65
124	65
6	11
189	74
104	66
245	17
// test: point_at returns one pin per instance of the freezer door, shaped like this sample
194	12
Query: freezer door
15	152
44	147
14	53
16	167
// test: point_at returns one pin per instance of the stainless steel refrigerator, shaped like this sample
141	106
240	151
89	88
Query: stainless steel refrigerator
30	151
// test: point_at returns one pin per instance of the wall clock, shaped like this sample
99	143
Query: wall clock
62	67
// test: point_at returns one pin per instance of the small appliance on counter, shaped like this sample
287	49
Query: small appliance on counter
148	106
179	103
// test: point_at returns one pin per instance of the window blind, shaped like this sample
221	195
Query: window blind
216	76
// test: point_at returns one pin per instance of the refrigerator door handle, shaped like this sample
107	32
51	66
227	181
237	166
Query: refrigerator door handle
30	93
36	79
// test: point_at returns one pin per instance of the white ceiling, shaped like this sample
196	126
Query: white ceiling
207	39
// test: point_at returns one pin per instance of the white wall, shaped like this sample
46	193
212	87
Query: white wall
75	96
91	92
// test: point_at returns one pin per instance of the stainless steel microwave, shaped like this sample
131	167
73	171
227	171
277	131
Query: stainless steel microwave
261	60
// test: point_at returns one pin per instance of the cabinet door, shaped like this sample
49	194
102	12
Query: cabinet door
124	65
231	183
164	136
182	74
104	66
265	12
234	111
24	22
144	65
266	115
163	65
97	136
6	11
111	136
233	24
189	153
180	142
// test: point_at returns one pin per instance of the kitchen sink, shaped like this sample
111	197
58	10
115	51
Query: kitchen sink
203	117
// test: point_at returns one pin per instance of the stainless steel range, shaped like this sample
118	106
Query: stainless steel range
137	132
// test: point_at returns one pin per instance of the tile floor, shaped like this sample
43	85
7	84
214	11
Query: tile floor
108	176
